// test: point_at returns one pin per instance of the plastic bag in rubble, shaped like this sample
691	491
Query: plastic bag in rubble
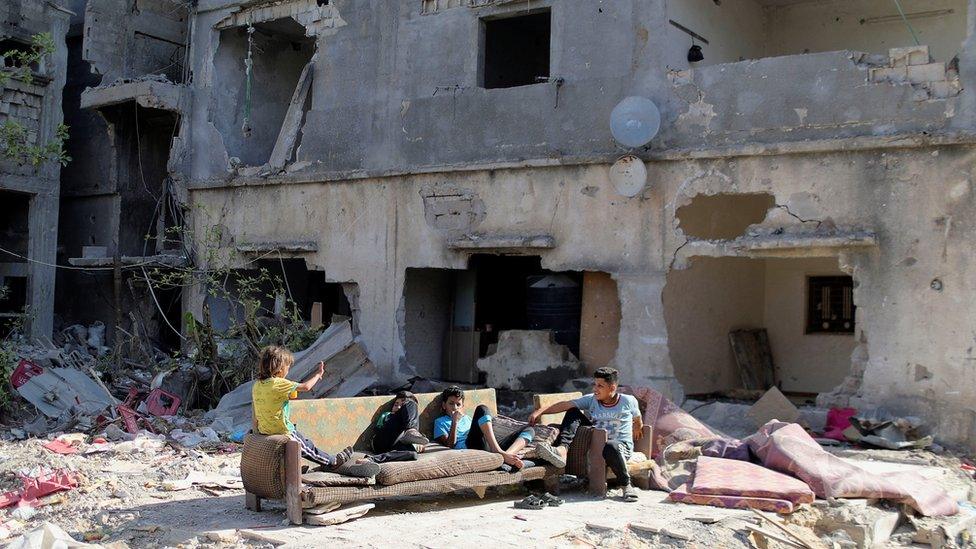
142	443
189	440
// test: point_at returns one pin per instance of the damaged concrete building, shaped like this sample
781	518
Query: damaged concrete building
440	170
123	101
29	190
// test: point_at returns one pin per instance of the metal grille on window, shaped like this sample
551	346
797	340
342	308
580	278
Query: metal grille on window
831	305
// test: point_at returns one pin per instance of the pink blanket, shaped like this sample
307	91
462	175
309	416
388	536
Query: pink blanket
787	448
670	423
731	477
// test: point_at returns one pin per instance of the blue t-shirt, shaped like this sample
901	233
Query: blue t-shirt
442	428
618	420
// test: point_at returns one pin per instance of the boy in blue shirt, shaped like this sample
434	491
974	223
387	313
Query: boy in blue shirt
607	409
454	430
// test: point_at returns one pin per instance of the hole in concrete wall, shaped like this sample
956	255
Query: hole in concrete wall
14	232
14	238
714	296
143	140
516	50
723	216
516	293
280	50
751	29
276	284
454	317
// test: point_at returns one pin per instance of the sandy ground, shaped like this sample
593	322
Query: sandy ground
137	495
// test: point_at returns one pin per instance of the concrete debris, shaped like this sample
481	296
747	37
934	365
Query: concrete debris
529	359
47	536
773	405
881	429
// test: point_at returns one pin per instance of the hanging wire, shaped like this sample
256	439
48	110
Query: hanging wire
248	71
907	24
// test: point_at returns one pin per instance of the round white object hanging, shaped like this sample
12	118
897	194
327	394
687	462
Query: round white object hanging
628	175
635	121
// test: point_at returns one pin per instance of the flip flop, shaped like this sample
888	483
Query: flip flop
530	502
551	500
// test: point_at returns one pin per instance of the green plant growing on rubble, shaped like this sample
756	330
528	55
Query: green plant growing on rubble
253	323
8	359
15	139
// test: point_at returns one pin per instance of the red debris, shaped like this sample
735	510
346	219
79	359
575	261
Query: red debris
162	403
38	487
59	446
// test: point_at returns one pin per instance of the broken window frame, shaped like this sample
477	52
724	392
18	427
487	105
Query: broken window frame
836	291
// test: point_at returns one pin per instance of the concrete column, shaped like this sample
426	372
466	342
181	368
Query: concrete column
643	357
42	247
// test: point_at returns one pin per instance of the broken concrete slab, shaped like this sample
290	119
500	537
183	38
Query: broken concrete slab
288	134
529	360
150	93
291	247
773	406
499	242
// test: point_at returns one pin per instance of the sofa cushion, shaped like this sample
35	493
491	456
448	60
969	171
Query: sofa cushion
322	478
447	463
262	465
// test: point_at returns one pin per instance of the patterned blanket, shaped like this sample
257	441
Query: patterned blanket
787	448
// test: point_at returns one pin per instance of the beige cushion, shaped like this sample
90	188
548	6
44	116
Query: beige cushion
438	465
322	478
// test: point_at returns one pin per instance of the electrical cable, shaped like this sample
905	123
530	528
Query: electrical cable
158	306
904	18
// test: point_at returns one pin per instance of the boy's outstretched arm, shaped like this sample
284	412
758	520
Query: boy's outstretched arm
556	408
310	382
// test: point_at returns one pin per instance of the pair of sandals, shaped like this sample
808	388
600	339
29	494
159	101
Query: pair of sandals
537	502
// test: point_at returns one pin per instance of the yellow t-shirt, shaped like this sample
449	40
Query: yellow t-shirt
270	398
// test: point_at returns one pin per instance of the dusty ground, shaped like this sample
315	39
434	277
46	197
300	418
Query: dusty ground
130	496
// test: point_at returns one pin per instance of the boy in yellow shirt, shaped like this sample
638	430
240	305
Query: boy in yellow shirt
270	396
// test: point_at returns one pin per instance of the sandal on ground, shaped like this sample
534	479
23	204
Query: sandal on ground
551	500
630	493
530	502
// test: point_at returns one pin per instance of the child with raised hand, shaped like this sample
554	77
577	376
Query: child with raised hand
271	394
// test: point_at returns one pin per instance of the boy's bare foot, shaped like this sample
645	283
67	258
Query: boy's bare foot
513	460
556	456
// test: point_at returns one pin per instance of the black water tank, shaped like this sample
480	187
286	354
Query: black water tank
554	302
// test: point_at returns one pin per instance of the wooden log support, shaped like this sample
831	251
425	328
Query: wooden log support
597	466
293	481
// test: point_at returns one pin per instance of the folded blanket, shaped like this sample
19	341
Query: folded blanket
729	477
787	448
682	495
